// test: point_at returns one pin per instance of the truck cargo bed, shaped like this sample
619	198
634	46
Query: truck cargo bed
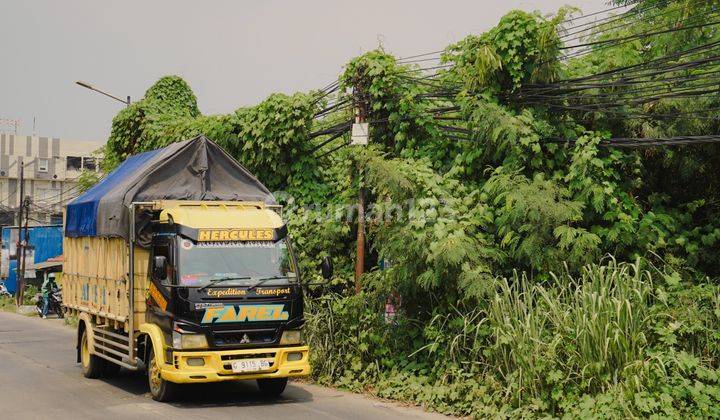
95	278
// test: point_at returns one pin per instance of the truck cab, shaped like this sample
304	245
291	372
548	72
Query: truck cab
225	295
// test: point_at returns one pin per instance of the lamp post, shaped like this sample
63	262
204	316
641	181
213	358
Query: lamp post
89	86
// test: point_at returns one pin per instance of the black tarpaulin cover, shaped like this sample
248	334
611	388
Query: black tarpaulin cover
196	169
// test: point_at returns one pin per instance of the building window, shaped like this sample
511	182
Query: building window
74	163
89	163
42	165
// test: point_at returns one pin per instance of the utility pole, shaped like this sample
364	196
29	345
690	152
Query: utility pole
360	260
21	289
360	136
19	249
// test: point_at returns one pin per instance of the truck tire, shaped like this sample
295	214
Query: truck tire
93	366
272	387
160	389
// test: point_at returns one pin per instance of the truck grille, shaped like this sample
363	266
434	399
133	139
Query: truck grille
248	356
234	338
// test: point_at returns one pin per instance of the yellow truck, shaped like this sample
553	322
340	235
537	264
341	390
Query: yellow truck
178	262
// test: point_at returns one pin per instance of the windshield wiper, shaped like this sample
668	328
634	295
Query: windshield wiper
220	280
261	281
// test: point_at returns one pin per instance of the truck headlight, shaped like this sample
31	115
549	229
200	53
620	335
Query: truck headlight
291	337
188	341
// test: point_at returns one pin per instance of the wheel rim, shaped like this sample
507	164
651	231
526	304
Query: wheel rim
84	351
154	377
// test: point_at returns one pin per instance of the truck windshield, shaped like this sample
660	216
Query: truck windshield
201	263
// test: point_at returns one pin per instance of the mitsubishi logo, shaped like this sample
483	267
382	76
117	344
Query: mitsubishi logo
245	339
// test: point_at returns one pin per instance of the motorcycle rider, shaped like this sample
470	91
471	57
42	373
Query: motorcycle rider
47	288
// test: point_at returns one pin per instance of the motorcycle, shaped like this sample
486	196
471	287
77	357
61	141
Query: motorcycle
54	303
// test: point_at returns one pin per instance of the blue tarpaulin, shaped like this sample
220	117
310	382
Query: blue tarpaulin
82	212
196	169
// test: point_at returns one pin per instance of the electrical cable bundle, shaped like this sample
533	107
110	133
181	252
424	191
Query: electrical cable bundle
627	143
691	73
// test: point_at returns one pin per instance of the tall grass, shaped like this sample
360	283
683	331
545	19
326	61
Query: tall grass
529	344
588	330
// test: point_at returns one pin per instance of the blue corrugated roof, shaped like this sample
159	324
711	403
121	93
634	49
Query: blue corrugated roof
81	216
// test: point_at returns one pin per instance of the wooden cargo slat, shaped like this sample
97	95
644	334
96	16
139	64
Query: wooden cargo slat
95	277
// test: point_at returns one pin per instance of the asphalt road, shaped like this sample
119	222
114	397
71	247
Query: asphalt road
39	379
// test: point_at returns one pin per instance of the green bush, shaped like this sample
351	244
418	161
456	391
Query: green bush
7	303
29	295
618	339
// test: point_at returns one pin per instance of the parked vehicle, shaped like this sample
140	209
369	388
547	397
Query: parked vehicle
199	246
54	305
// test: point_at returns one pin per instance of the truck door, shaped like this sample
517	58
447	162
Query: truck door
161	272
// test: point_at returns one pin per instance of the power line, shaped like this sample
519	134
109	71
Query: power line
331	130
419	55
623	90
710	46
632	13
333	150
420	60
615	42
330	139
327	90
61	193
629	142
648	81
601	11
642	35
334	107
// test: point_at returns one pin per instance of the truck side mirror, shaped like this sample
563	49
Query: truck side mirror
327	268
160	267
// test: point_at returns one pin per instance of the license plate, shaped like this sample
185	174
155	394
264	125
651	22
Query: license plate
240	366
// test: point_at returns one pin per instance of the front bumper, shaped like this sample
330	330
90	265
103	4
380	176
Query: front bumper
217	365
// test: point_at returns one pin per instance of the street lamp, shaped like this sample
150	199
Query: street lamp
89	86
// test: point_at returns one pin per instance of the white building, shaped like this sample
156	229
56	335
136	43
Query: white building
51	169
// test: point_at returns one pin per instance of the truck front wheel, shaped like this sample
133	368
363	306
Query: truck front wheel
160	389
272	387
93	366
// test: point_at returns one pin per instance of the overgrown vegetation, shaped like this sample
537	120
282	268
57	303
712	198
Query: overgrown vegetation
617	340
494	235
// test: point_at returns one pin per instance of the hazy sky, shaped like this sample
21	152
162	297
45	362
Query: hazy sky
232	53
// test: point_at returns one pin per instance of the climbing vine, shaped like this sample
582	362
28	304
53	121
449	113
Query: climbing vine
271	139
